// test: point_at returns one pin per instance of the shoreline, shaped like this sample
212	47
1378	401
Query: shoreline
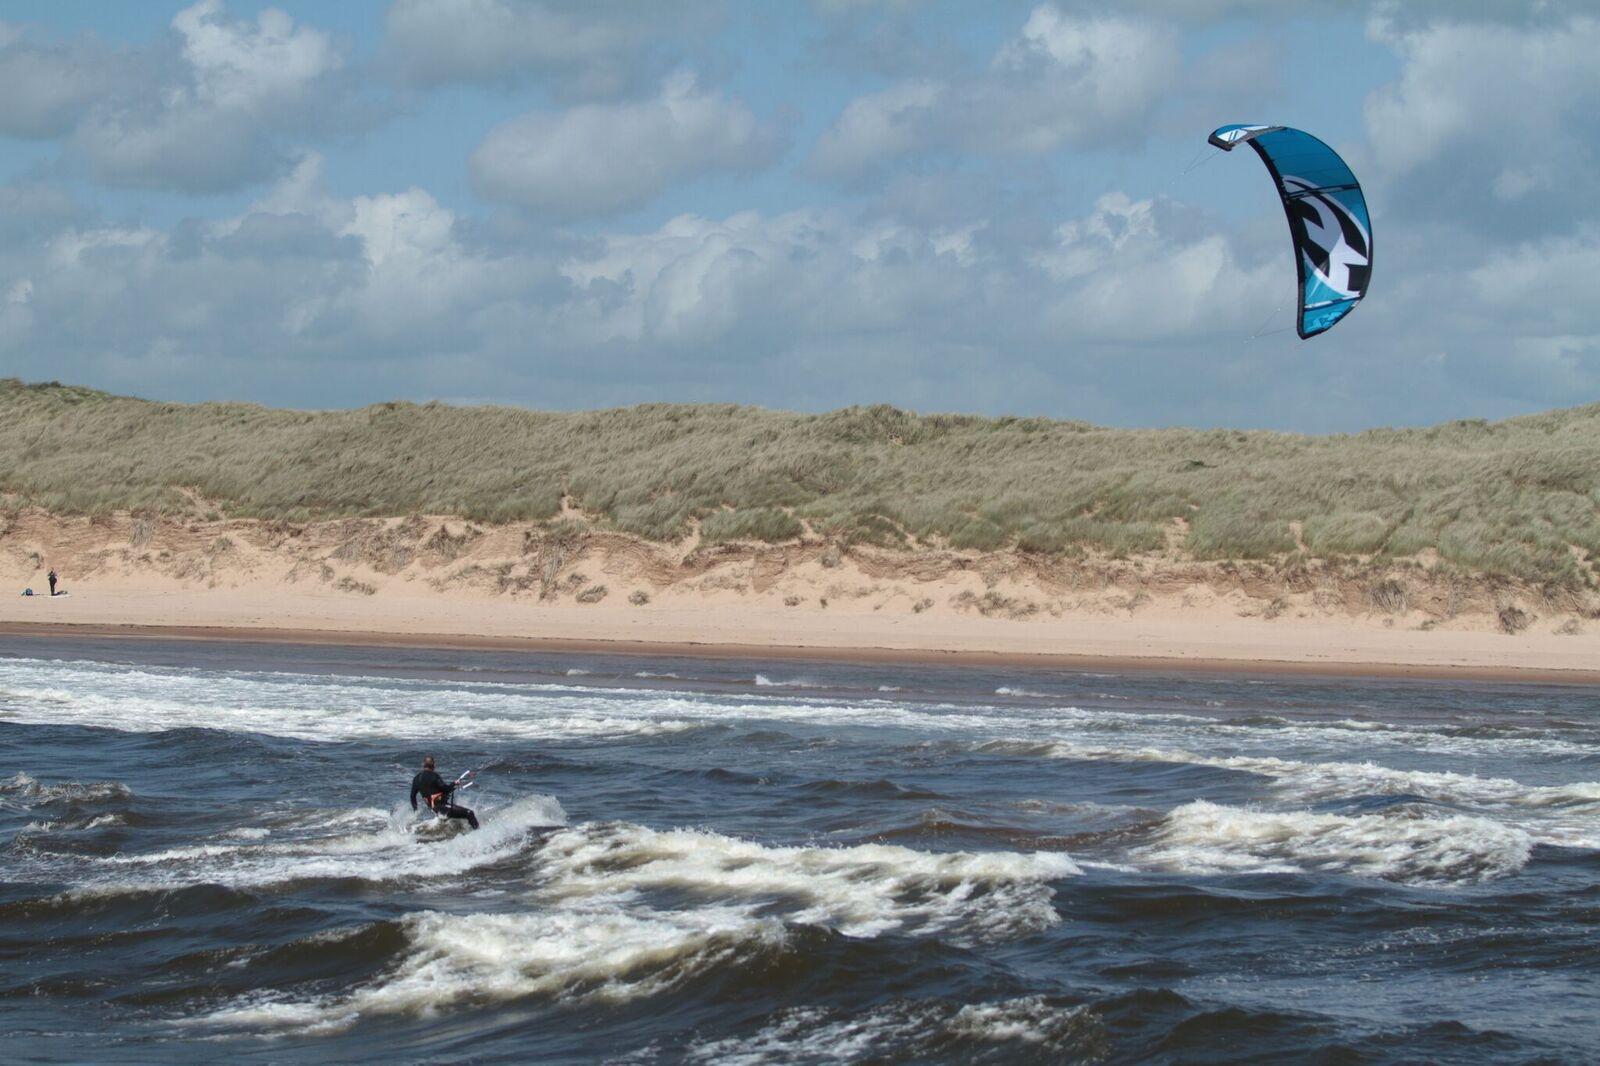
1150	664
441	583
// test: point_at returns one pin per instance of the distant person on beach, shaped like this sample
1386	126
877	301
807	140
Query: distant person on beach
435	792
52	580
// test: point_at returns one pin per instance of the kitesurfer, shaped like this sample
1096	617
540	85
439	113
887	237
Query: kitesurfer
52	582
435	792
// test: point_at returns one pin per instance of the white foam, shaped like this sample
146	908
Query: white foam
303	707
26	788
899	1031
383	848
598	951
1029	1019
254	832
312	707
591	931
99	821
1397	845
308	707
865	890
763	681
1318	781
1313	780
1388	736
817	1034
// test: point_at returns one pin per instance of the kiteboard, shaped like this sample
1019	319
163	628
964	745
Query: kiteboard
430	830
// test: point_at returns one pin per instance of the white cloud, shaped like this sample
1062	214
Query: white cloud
33	208
242	87
959	287
1119	275
1063	80
1558	367
1133	311
1111	70
45	89
697	281
1494	125
600	158
216	104
1125	277
891	39
416	277
303	190
244	68
1415	12
1546	284
1209	10
581	49
879	126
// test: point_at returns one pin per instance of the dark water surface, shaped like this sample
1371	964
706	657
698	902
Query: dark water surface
207	855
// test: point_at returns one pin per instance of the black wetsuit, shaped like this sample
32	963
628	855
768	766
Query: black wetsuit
52	582
435	792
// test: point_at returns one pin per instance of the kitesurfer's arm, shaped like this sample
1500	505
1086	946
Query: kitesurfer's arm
414	783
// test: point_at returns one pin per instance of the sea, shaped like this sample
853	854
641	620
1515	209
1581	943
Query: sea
207	854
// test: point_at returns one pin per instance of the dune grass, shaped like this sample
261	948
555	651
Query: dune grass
1516	498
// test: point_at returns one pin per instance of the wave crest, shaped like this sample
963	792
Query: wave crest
1397	845
866	890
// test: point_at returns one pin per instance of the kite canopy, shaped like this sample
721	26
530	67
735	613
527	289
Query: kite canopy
1327	219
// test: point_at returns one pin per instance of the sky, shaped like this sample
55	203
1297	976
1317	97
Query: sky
996	208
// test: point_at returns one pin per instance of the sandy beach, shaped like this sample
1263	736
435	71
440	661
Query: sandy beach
356	582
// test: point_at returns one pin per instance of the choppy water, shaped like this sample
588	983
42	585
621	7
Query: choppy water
207	854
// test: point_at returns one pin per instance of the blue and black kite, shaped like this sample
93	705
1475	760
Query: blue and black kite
1327	219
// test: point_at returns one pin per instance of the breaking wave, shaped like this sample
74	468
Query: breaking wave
911	1030
592	932
1398	845
23	789
866	890
1314	781
763	681
598	951
301	710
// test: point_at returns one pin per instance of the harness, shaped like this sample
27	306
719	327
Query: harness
464	781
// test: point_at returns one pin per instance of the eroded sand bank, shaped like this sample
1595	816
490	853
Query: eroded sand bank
443	581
